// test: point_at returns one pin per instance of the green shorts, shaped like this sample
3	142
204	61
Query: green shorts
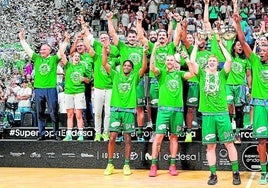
140	93
154	92
214	125
193	94
122	121
236	94
169	119
260	121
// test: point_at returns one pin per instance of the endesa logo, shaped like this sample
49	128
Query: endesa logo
251	159
182	157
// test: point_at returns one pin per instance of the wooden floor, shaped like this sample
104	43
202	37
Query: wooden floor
76	178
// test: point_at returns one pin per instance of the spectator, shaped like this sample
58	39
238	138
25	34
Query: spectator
152	6
24	99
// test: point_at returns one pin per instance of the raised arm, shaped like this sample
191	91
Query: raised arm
184	34
178	31
105	51
87	44
63	45
235	7
206	16
153	68
140	31
144	61
112	31
24	44
228	58
194	67
240	35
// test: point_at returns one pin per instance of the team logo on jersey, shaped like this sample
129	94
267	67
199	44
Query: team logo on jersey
161	58
135	58
75	77
173	85
44	69
202	62
237	67
124	87
264	75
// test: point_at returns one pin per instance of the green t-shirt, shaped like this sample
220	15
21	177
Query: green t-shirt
259	77
114	52
160	55
238	71
133	53
244	13
213	12
45	71
20	64
213	98
170	88
87	61
73	83
124	89
101	79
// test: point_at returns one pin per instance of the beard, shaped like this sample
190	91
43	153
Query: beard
153	39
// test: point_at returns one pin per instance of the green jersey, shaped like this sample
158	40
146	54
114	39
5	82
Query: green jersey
260	77
160	55
170	88
114	52
133	53
124	89
238	71
87	61
102	80
213	98
73	83
45	71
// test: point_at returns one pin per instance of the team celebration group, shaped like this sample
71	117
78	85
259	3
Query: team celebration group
179	73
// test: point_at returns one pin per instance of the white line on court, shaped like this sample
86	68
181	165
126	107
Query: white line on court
250	179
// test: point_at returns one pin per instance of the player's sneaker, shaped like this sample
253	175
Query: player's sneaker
153	171
109	170
80	138
120	139
188	137
105	137
126	170
68	138
212	179
140	139
237	139
264	178
97	137
236	178
173	171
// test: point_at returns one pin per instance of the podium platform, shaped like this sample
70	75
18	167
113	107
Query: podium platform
19	148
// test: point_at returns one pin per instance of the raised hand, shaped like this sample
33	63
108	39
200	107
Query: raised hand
22	34
109	15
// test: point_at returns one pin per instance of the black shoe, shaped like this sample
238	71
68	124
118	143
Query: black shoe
40	138
236	178
57	138
212	179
